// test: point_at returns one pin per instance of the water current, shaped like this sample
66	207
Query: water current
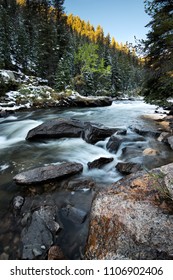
16	154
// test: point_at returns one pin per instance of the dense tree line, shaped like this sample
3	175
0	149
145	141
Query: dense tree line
37	38
158	86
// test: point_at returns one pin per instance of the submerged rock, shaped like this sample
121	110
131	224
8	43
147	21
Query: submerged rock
150	152
128	167
74	214
48	173
144	132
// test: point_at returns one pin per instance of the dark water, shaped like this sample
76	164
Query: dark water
17	155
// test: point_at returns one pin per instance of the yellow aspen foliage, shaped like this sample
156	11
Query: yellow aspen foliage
21	2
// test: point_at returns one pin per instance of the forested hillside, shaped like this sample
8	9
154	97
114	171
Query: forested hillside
38	38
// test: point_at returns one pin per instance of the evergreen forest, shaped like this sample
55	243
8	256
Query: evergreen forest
38	38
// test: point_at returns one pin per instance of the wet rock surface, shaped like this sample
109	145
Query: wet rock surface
114	143
49	225
72	128
73	214
144	132
37	236
57	128
150	152
93	133
99	163
170	141
48	173
128	167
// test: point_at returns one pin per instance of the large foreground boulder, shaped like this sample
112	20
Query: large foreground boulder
48	173
133	219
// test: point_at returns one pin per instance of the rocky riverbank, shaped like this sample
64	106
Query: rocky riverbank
20	92
59	214
133	218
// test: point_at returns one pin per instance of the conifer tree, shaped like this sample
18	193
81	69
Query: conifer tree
159	83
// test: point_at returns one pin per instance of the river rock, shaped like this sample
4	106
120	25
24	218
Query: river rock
74	214
94	133
18	202
132	220
4	256
167	175
132	151
114	143
99	163
55	253
144	132
48	173
163	137
37	237
150	152
3	114
56	128
128	167
83	101
82	184
170	141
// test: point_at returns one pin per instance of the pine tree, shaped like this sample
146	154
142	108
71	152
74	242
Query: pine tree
159	84
7	31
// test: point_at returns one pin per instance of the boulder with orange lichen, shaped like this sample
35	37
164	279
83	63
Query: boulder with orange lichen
133	219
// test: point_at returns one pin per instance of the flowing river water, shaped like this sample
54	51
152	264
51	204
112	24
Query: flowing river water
17	154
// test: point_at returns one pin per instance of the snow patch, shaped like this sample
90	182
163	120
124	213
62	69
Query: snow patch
3	167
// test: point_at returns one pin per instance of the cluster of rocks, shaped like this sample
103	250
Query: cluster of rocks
49	220
133	219
93	133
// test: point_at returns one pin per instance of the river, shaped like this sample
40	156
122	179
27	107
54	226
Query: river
17	154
